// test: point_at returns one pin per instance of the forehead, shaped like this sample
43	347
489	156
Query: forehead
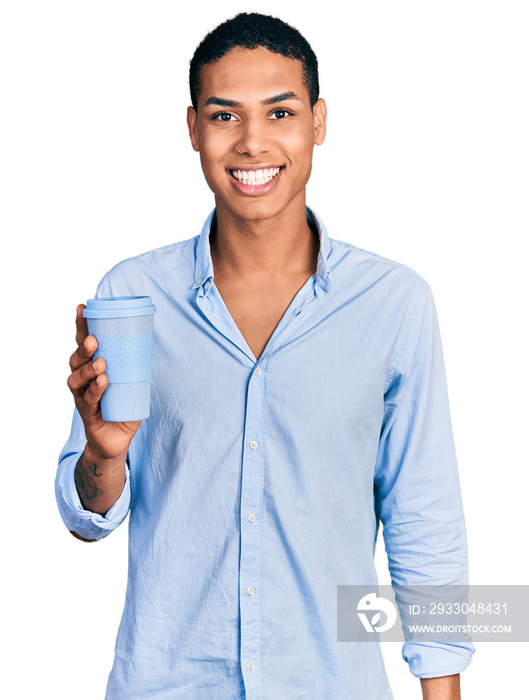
245	75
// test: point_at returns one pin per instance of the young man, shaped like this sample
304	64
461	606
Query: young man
298	398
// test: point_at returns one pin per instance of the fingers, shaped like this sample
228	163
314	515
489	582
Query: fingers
81	325
87	381
81	377
93	393
83	353
86	344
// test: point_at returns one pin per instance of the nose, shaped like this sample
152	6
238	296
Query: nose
253	138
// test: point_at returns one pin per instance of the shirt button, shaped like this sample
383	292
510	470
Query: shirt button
250	590
199	280
250	665
258	371
207	285
254	445
252	517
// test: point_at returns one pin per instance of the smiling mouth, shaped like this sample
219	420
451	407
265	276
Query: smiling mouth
255	177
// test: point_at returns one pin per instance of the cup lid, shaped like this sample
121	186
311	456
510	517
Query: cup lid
118	307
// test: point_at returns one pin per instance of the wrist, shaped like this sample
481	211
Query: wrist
109	464
99	482
443	688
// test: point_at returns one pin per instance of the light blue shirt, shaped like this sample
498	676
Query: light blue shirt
254	486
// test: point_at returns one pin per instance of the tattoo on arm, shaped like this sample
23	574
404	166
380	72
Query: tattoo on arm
93	469
87	488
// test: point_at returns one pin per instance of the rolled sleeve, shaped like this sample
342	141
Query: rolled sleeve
85	523
417	484
435	659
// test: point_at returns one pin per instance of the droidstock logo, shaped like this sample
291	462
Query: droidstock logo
377	605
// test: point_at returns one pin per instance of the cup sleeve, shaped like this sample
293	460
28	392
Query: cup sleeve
89	525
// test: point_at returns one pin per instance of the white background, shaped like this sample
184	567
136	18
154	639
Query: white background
426	162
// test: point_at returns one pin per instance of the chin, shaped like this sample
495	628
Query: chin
258	210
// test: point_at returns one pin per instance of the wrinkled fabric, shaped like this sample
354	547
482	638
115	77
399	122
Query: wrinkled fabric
256	487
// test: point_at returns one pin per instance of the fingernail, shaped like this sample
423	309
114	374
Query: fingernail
94	365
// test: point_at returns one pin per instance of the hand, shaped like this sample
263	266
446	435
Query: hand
87	382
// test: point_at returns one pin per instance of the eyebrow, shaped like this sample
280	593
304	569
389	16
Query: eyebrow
221	102
280	98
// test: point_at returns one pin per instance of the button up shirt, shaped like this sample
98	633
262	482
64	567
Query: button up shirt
256	487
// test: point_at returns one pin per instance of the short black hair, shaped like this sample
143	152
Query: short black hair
252	31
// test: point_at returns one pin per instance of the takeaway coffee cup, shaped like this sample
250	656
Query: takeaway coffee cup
123	328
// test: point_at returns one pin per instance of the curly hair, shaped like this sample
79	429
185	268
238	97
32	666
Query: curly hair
252	31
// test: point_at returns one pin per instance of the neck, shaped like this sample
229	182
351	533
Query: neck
264	250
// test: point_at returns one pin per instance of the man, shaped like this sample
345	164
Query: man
298	398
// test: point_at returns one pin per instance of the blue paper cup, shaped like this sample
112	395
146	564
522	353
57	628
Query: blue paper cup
123	328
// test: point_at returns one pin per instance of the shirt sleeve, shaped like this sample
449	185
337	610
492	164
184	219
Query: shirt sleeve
417	489
85	523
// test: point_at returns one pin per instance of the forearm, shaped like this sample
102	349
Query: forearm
443	688
99	481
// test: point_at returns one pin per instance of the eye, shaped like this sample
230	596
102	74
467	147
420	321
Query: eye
223	117
281	113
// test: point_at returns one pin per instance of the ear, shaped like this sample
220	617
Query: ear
192	126
319	112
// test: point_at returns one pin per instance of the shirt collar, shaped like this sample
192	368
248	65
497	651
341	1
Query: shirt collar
204	264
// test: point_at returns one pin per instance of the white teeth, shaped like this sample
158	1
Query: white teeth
255	177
